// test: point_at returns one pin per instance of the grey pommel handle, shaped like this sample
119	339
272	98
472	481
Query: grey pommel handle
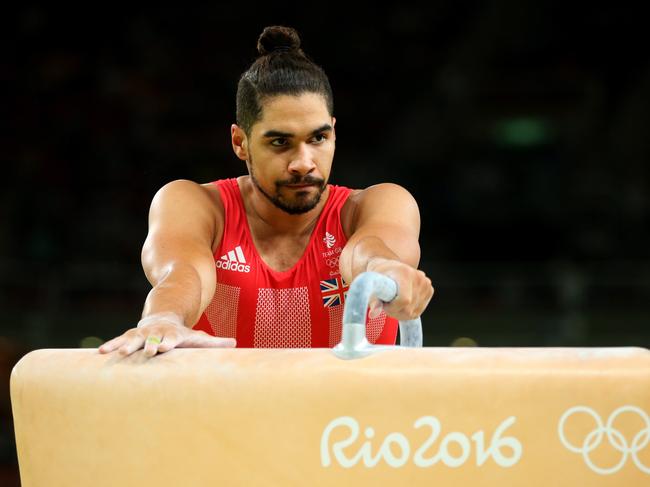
354	343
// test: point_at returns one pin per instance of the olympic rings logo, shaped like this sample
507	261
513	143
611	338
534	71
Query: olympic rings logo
333	262
614	436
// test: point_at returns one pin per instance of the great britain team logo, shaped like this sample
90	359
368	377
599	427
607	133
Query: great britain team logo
334	291
329	240
234	260
332	254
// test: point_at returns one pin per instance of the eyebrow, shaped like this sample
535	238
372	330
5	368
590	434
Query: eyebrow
276	133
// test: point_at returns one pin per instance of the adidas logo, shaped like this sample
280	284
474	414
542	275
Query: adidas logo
234	260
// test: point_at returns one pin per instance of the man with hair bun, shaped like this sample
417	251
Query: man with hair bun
264	260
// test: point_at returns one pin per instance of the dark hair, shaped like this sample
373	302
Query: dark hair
281	68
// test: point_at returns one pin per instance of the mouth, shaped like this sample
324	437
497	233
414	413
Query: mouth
299	186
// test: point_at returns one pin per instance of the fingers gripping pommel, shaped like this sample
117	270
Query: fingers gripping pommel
414	289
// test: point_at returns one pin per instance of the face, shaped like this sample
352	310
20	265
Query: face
290	150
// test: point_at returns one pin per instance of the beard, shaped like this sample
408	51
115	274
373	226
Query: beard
292	201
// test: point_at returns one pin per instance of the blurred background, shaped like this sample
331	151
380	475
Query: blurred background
520	127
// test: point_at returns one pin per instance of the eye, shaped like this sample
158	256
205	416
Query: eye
281	142
320	138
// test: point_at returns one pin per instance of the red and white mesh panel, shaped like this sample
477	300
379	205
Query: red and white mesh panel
375	326
282	318
222	311
336	325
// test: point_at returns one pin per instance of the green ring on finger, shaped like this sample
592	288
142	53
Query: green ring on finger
153	339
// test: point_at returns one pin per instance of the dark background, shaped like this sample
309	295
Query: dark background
520	127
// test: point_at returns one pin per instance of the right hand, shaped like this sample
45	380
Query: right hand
161	335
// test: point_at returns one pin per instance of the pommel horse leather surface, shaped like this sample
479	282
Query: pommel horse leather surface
253	417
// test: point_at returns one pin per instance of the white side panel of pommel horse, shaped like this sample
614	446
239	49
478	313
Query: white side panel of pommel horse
246	417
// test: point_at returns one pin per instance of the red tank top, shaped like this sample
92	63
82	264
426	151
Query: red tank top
298	308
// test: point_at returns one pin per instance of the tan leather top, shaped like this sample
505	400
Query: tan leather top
431	416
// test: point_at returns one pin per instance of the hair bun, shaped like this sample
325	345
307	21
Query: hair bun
278	38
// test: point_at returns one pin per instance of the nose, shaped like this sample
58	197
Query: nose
302	162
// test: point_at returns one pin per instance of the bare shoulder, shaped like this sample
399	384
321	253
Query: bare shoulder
187	193
373	198
185	205
381	190
382	194
183	188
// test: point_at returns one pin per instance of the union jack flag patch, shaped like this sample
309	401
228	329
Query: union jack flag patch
333	291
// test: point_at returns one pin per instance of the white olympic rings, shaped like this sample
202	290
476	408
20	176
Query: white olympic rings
614	436
333	262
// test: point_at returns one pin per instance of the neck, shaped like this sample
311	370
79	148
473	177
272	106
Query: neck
269	220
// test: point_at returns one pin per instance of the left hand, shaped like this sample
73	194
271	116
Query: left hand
414	289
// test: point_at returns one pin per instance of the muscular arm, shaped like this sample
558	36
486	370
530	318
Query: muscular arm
177	254
385	228
177	260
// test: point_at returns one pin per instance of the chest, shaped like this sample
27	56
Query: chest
281	254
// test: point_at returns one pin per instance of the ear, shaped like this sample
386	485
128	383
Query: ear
239	142
333	130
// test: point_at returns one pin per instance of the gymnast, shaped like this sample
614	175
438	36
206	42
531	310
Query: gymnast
265	260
